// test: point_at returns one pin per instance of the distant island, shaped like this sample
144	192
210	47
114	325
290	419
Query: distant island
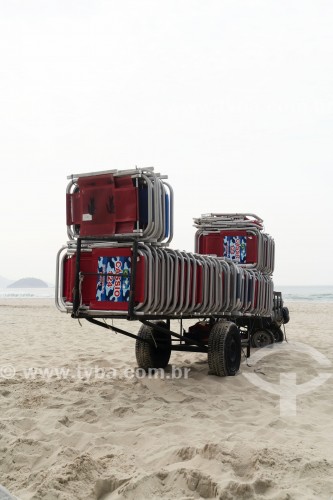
28	283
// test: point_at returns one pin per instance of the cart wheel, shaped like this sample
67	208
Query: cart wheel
262	338
147	354
224	349
285	315
277	333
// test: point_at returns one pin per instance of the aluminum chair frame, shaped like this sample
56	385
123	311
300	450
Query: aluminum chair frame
157	190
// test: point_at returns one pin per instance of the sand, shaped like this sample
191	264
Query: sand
98	430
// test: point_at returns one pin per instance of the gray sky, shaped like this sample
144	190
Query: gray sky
233	100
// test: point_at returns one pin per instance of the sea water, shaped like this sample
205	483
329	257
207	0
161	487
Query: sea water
27	293
306	293
289	293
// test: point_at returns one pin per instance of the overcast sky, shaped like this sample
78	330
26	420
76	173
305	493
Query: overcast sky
233	100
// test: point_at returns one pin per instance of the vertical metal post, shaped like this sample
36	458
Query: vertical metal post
248	346
131	303
137	203
76	300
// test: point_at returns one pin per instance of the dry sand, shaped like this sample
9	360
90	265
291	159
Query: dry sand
95	433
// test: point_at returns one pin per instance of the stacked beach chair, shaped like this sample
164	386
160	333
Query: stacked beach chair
117	262
241	240
120	206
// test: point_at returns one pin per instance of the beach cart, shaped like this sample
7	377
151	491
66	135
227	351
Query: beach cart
117	264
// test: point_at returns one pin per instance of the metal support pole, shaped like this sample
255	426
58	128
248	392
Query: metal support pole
76	301
131	304
248	347
117	330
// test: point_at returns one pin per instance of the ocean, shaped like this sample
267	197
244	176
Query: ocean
289	293
306	293
27	293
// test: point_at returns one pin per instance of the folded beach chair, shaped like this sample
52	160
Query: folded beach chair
161	282
120	205
238	237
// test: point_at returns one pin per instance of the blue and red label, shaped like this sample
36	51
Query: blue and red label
234	248
113	282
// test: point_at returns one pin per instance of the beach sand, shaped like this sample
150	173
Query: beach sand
98	430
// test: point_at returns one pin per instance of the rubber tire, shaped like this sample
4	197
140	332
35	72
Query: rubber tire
224	349
285	315
149	356
277	333
262	338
